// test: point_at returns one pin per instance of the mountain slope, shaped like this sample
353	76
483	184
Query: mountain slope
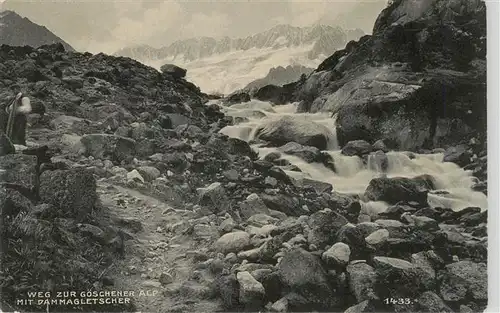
224	65
18	31
280	76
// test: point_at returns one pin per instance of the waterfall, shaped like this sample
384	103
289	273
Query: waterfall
353	174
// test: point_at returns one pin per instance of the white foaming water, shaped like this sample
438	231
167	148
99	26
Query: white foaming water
352	175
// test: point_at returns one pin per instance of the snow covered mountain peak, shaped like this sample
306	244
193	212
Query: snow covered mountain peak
225	64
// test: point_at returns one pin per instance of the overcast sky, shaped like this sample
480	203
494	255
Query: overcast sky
107	26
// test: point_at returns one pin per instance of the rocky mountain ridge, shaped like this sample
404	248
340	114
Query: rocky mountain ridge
324	39
18	31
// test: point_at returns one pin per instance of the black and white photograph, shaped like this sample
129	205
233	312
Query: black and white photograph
246	156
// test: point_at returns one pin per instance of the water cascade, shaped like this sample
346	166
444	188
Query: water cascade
352	174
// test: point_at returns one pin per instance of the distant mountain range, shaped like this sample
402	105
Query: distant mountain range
20	31
225	64
325	40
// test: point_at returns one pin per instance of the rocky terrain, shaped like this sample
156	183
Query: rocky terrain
18	31
385	85
126	183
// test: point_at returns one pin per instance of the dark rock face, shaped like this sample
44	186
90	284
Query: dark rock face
308	154
324	227
357	147
73	191
459	155
237	98
173	70
294	129
393	190
419	72
274	94
401	278
302	273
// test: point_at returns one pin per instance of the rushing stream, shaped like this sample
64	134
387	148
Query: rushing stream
352	175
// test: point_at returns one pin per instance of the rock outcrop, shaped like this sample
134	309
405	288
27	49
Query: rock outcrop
418	81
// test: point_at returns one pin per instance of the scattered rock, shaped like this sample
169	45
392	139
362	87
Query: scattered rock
149	173
214	197
252	292
362	279
465	278
431	302
166	278
324	226
337	255
134	175
377	237
302	273
232	242
104	146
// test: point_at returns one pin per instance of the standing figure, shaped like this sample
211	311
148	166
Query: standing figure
22	107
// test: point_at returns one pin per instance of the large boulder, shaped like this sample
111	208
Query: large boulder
324	226
362	279
308	154
282	203
295	129
400	279
458	155
357	147
73	191
385	85
252	205
20	172
233	242
105	146
394	190
337	256
301	272
173	70
237	97
214	197
465	280
252	292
